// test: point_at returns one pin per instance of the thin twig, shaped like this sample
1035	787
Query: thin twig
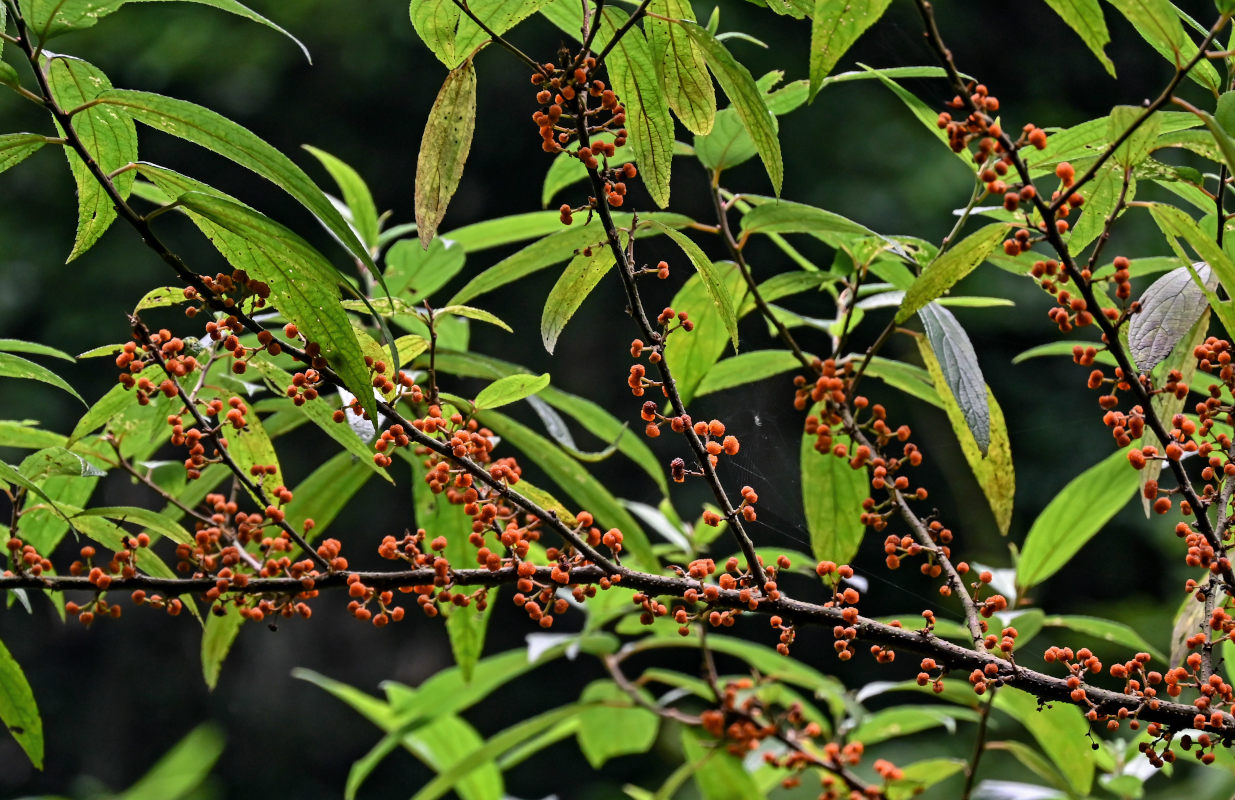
979	745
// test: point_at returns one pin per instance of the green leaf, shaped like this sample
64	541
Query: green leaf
909	378
154	522
440	744
510	389
578	484
355	195
1136	147
712	281
573	286
215	132
327	490
836	25
690	355
18	710
491	233
1175	223
681	65
1101	199
993	469
925	114
418	272
746	98
782	216
182	769
57	461
1074	516
1060	730
453	36
549	250
217	641
250	447
478	314
612	725
745	368
718	774
444	146
304	286
905	720
832	495
20	346
1158	24
497	745
1106	630
45	527
17	147
12	366
959	364
109	136
950	267
1085	17
921	775
52	17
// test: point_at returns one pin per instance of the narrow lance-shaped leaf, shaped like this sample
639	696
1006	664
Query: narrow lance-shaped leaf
355	194
1074	516
712	281
1140	142
836	25
444	146
746	98
1085	17
215	132
304	285
108	135
18	710
683	69
573	286
50	18
832	495
453	36
1158	24
12	366
217	641
961	372
950	267
510	389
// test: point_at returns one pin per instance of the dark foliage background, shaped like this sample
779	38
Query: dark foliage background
115	697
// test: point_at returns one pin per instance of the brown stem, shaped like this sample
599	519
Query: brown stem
979	745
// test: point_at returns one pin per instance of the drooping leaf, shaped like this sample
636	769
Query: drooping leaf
836	25
510	389
303	284
1075	516
688	88
444	146
947	269
215	132
747	100
50	18
832	495
108	135
991	466
182	769
1085	17
712	281
924	113
1060	730
961	372
1169	308
1176	224
573	286
355	194
578	484
1158	24
691	354
785	217
17	147
453	36
478	314
12	366
217	641
612	725
18	710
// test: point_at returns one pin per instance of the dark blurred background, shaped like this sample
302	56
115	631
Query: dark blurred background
115	697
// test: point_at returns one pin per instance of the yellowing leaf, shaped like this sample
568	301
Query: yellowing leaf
444	147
